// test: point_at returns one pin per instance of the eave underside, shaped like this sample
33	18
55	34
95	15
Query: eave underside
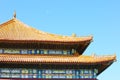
57	62
28	44
100	67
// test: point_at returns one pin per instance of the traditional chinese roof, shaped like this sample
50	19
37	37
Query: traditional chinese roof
16	30
14	33
55	58
58	59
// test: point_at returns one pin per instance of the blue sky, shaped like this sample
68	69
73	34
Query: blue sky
100	18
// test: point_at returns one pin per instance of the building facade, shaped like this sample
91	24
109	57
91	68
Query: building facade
27	53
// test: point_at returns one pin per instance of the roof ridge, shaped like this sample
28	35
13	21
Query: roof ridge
30	27
7	22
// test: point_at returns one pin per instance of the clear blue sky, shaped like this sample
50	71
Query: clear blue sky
100	18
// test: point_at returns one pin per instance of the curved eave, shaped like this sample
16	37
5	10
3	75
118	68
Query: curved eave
104	66
80	46
43	41
25	58
101	62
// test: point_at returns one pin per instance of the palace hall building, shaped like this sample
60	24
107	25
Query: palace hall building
27	53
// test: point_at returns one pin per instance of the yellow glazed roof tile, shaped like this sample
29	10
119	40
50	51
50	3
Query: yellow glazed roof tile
55	59
16	30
